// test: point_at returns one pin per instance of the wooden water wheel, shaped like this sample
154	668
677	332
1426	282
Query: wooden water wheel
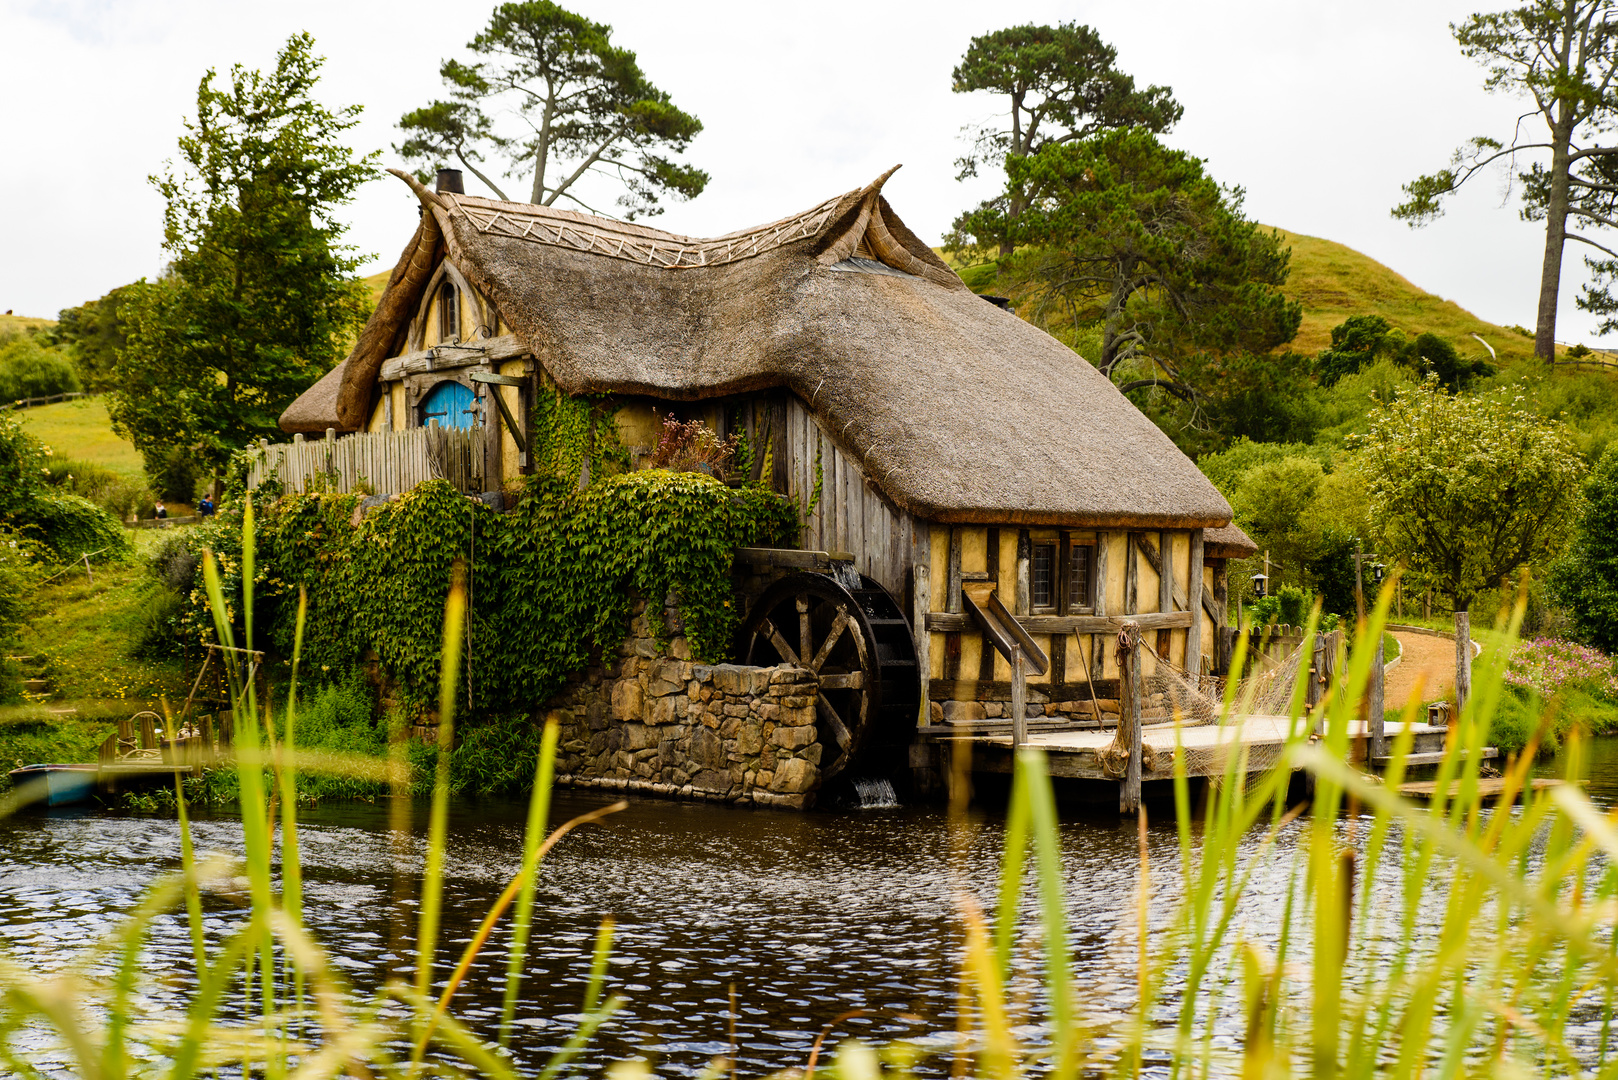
859	643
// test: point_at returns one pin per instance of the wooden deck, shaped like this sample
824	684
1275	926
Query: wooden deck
1073	754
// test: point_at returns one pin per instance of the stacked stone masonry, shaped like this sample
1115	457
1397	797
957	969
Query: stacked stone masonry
654	721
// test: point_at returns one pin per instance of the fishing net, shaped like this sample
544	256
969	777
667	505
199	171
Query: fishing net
1171	695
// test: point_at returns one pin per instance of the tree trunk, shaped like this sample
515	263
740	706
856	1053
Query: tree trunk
1556	210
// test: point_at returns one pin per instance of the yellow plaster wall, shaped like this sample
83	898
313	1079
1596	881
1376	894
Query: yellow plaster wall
510	462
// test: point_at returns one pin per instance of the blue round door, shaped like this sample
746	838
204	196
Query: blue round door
449	404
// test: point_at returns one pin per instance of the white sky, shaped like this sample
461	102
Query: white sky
1320	110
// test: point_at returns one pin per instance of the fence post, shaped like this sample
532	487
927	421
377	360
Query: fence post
1019	698
1463	660
1129	693
1374	706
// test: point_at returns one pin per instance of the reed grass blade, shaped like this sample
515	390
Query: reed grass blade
539	802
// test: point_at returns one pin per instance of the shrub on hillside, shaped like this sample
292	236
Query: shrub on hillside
70	526
115	493
27	369
1585	580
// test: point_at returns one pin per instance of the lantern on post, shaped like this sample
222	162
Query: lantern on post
1260	581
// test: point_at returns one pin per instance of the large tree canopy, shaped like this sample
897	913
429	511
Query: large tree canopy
1122	230
1467	489
572	103
1561	56
259	300
1586	578
1061	83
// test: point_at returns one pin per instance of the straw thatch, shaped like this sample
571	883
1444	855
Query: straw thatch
1227	542
958	410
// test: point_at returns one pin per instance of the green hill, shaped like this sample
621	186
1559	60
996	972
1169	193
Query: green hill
1333	281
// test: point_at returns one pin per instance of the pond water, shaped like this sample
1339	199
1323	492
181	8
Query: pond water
807	916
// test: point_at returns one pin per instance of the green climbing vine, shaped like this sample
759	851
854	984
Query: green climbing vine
552	582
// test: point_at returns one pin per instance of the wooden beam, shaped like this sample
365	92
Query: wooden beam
1193	636
451	357
977	690
1129	733
943	622
1097	658
791	557
1033	655
1019	698
1165	593
921	587
952	594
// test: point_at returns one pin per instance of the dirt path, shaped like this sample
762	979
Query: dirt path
1429	659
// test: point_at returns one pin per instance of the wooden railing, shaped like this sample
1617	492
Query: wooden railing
381	462
49	399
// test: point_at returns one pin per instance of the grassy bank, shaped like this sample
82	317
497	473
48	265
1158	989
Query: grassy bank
81	430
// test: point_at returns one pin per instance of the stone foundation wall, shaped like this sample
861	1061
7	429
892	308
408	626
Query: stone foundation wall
667	726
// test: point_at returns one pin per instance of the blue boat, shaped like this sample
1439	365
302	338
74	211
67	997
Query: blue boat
55	785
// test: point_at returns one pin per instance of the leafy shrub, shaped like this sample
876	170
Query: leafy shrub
157	635
115	493
19	562
71	526
24	467
1585	579
29	370
175	473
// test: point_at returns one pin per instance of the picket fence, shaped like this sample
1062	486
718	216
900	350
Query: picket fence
381	462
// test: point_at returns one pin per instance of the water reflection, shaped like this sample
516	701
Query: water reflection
807	915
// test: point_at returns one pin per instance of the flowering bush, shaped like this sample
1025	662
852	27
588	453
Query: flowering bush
1549	665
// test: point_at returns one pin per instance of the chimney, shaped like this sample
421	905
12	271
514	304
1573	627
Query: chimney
449	180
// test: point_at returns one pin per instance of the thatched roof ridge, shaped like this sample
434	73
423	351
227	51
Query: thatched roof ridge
958	411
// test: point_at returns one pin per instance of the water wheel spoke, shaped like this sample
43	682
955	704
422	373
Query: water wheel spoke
806	644
839	730
779	642
838	625
854	680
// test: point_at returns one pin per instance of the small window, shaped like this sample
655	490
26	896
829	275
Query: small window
1078	576
1042	578
449	313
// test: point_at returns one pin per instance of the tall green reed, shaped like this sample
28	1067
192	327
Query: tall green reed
1463	935
269	959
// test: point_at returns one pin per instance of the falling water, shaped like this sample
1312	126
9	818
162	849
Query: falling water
846	575
875	793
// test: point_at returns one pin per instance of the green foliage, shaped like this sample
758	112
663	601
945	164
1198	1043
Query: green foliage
70	526
114	492
64	525
576	437
1467	489
259	300
1363	339
1061	83
581	104
1585	579
1127	231
551	583
94	333
28	369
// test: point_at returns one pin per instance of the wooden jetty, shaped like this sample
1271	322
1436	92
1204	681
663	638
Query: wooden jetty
1083	754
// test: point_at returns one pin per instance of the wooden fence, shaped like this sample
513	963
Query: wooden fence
382	462
51	399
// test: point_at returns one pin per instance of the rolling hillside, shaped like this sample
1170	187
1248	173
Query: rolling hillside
1333	281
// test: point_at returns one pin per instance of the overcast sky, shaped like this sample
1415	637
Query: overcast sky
1319	110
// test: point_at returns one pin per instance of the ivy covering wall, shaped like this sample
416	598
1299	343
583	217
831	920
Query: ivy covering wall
551	581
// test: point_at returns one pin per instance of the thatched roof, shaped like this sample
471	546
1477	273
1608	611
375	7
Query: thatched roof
959	411
1227	542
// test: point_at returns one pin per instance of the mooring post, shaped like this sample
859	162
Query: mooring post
1463	660
1129	691
1374	707
1019	698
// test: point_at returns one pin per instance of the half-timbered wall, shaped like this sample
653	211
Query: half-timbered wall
1079	635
